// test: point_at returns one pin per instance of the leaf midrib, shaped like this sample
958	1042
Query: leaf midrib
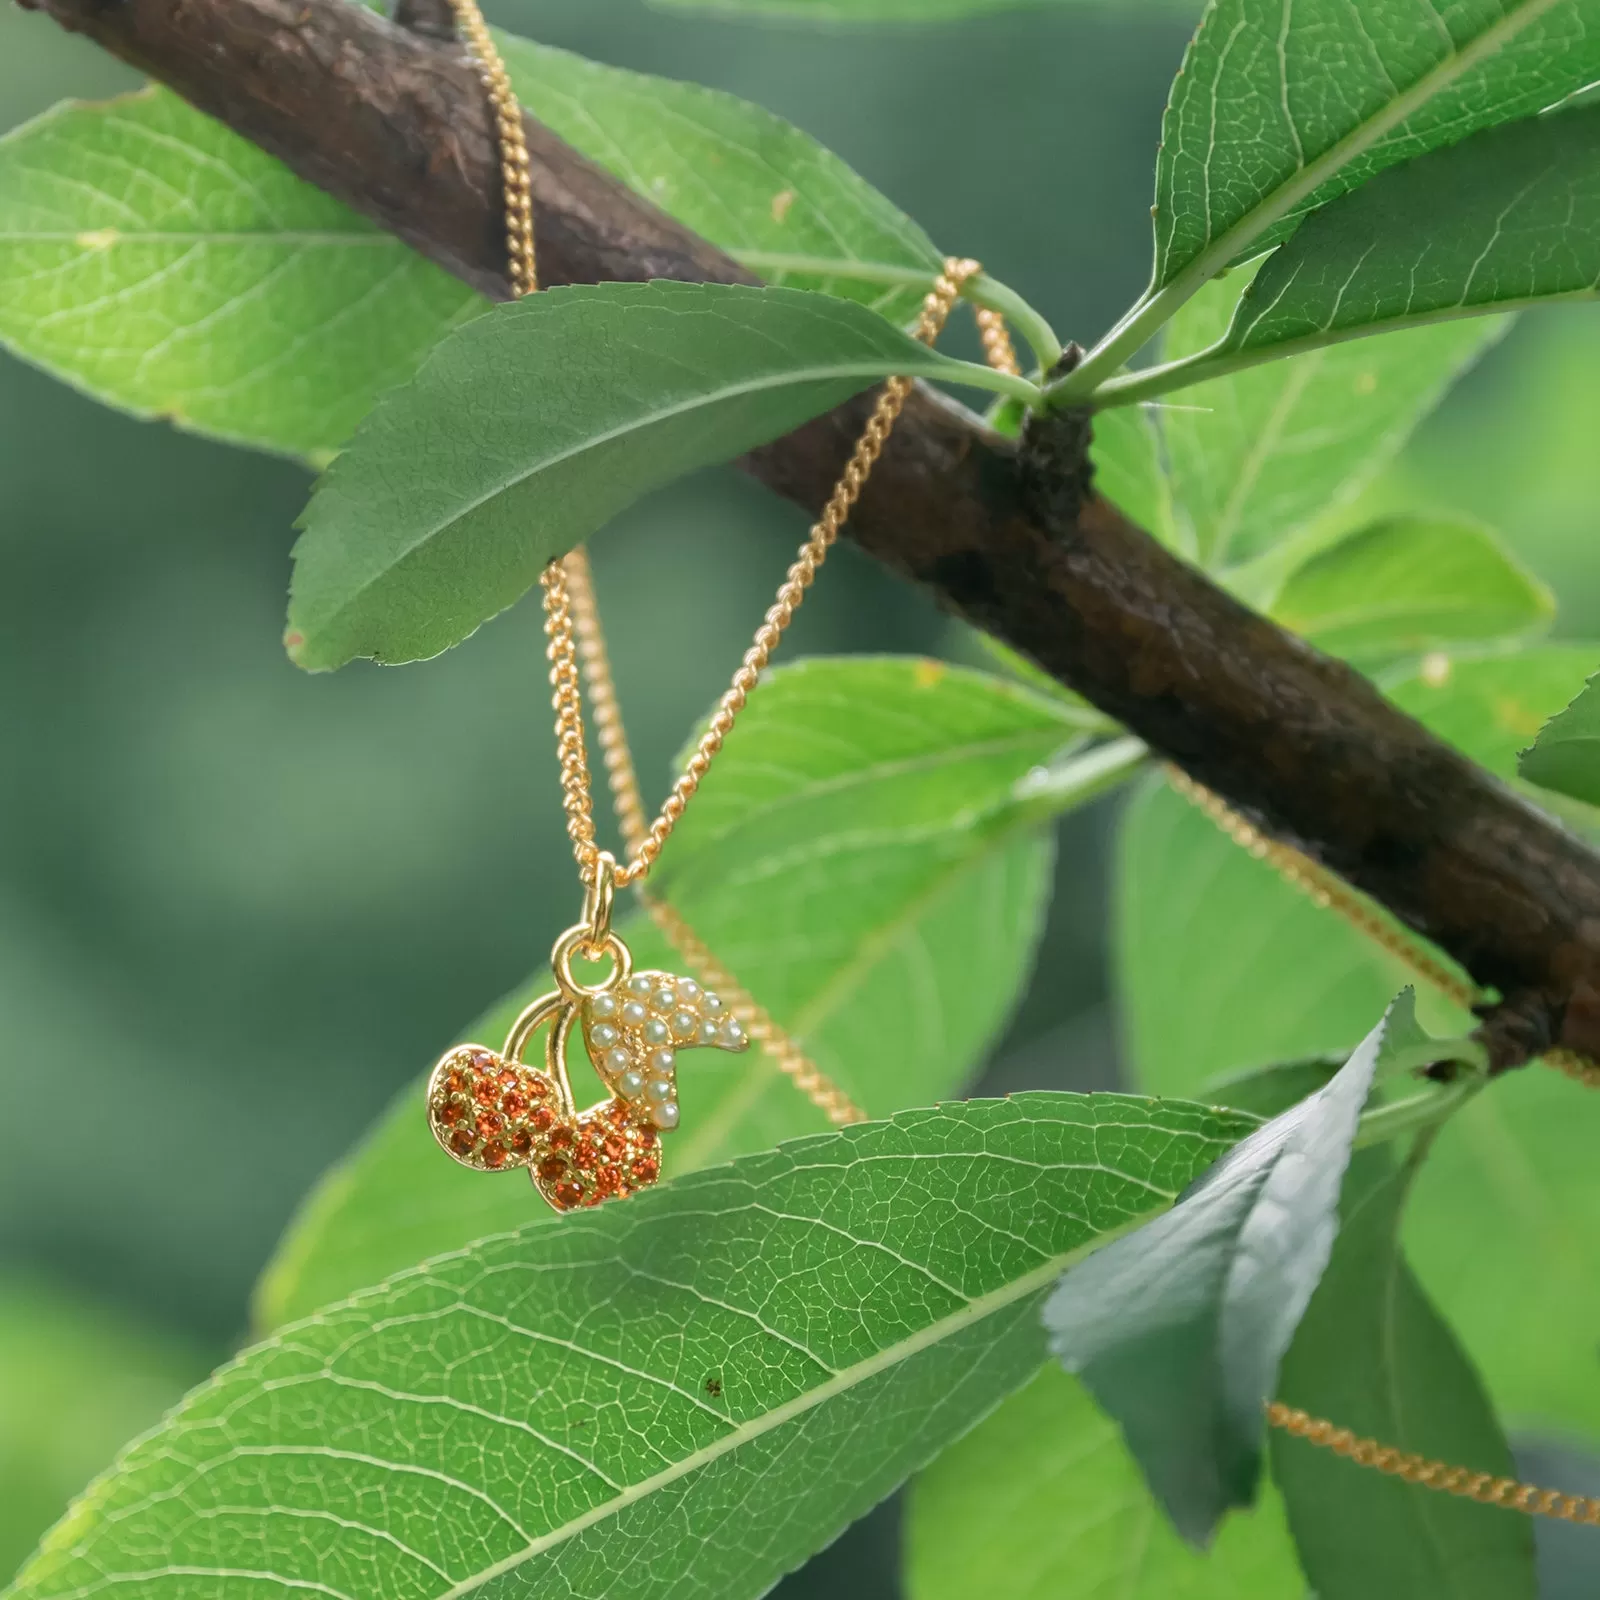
790	377
848	1378
884	771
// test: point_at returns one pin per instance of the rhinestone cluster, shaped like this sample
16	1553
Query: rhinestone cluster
491	1115
633	1036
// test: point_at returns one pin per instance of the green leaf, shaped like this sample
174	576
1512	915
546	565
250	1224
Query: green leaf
1046	1493
1177	1330
765	1349
1566	755
1281	105
167	266
1374	1356
77	1380
1257	455
1129	471
911	884
529	428
1222	966
751	183
1507	219
1410	584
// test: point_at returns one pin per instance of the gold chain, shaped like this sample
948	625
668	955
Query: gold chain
577	648
576	791
628	803
1463	1482
576	643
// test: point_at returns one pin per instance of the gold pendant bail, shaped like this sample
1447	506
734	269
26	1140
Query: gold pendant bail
598	898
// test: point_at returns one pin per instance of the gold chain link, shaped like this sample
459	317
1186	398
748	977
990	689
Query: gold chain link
576	647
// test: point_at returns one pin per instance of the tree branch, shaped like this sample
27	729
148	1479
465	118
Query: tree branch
1015	541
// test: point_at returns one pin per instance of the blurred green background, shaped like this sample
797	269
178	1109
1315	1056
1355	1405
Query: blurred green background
240	907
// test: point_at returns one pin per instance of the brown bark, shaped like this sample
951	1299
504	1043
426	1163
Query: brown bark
1017	542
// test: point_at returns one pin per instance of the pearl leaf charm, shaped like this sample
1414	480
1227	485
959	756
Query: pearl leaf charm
633	1035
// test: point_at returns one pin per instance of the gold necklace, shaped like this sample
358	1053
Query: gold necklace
488	1109
491	1112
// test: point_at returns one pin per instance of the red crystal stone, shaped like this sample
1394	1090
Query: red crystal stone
560	1138
513	1104
520	1140
543	1119
536	1087
485	1092
455	1081
461	1142
615	1147
646	1169
489	1124
493	1155
483	1060
567	1195
447	1113
553	1167
607	1181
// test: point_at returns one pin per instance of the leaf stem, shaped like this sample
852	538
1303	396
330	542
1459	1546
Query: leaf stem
1036	333
1130	388
980	376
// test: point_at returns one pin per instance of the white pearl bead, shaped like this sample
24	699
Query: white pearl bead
708	1032
684	1024
603	1007
656	1031
665	1115
688	991
618	1060
603	1035
712	1002
663	1000
639	985
659	1089
662	1061
732	1033
630	1085
634	1013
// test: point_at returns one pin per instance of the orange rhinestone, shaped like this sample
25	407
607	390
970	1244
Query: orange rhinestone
561	1138
447	1113
489	1124
485	1092
455	1081
461	1142
520	1140
567	1195
543	1119
646	1169
552	1167
514	1104
493	1155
